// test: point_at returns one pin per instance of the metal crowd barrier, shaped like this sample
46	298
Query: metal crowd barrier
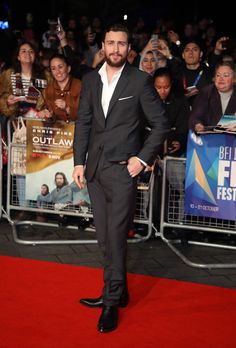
143	216
1	165
173	216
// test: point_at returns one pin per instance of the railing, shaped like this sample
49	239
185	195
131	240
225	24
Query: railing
174	217
55	213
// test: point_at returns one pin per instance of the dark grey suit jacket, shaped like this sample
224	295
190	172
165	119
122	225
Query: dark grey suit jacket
119	135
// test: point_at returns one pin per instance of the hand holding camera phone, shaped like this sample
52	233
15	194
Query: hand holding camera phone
154	41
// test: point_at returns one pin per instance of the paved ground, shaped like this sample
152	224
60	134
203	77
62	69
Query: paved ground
152	257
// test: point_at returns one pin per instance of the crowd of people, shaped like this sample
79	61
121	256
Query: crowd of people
45	73
114	87
188	68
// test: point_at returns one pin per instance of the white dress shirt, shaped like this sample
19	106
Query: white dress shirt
108	88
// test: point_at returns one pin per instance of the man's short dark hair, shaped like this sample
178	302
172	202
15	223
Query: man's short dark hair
117	27
193	41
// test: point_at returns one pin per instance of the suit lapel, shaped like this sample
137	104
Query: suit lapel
98	97
121	84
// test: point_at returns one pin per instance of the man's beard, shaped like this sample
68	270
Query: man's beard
115	64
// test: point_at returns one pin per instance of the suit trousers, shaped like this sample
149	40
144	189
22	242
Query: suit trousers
113	196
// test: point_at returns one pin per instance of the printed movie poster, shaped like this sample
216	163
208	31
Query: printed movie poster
210	180
49	164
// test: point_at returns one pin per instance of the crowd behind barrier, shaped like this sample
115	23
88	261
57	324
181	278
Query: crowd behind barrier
171	209
51	212
189	56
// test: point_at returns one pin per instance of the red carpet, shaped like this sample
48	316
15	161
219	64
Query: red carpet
39	308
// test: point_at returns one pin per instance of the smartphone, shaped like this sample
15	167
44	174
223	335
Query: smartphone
154	37
154	41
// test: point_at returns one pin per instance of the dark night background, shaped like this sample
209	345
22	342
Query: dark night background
179	11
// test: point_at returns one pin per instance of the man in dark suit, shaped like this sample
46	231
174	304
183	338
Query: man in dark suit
114	102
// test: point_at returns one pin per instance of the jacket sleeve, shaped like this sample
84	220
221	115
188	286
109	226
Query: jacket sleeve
83	124
157	120
5	91
199	110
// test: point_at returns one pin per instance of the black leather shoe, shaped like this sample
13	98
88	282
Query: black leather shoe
108	320
98	302
92	302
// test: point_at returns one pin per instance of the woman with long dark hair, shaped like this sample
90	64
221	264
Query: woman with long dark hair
20	91
21	85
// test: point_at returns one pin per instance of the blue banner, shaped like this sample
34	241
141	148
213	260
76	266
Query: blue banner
210	180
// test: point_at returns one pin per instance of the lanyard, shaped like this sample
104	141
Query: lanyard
195	82
198	78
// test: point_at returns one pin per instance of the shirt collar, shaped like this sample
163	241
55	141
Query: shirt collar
103	73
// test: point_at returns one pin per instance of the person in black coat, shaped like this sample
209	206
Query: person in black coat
177	110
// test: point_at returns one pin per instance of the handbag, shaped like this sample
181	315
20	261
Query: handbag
18	153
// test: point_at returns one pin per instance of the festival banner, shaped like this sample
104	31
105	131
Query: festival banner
50	151
210	180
